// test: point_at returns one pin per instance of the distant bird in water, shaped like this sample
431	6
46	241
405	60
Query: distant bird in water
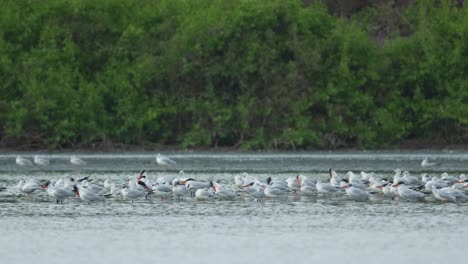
20	161
76	161
41	161
164	161
425	163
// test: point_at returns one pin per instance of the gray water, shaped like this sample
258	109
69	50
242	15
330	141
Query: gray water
294	229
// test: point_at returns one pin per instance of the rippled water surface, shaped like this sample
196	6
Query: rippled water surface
294	229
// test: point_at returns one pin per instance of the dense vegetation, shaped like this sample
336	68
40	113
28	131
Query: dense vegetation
209	73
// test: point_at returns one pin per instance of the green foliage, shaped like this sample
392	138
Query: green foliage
250	74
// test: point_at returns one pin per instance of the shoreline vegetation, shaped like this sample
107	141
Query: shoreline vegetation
233	75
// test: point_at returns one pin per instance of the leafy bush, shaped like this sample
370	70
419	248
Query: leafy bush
249	74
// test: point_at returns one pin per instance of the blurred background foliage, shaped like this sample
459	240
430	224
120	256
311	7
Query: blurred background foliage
249	74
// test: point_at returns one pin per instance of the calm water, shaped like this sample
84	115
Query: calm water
295	229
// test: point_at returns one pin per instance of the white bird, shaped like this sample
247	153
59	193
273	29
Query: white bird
448	194
425	178
115	190
335	179
107	184
304	180
164	161
376	187
325	187
463	178
193	185
242	180
275	190
239	181
222	192
204	194
76	161
425	163
178	189
307	190
356	181
41	161
365	176
255	189
353	178
410	180
459	186
397	176
293	183
435	182
308	186
133	193
141	185
59	191
449	179
20	185
396	181
91	186
30	186
377	184
165	179
163	190
357	194
277	183
387	191
20	161
409	194
86	195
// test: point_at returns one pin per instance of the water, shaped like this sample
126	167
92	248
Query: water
295	229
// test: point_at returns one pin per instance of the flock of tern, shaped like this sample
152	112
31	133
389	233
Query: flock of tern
359	187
